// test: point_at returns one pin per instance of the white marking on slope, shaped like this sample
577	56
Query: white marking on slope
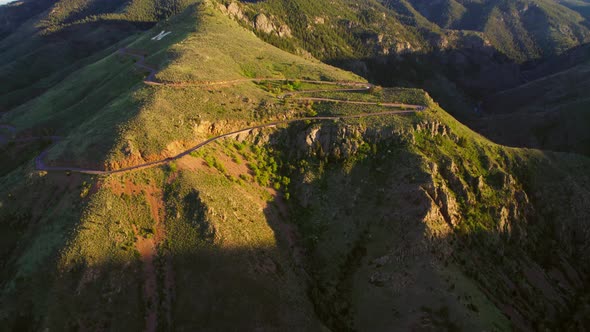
161	35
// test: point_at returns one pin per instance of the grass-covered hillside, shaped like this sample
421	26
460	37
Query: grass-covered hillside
42	42
363	219
110	117
550	113
461	52
331	30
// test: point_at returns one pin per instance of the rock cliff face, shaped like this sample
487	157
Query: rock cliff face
422	200
261	22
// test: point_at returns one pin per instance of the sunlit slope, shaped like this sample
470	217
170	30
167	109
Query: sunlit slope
204	46
43	42
520	29
412	221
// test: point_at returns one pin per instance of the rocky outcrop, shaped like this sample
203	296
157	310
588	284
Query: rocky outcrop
284	31
341	142
235	11
261	22
434	128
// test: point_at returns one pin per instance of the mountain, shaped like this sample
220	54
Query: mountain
189	175
519	29
550	111
461	52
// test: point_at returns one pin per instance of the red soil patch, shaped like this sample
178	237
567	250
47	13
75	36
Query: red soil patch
148	250
152	194
147	253
233	168
192	164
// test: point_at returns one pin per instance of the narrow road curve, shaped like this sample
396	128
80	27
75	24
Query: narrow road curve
140	63
40	165
364	88
397	105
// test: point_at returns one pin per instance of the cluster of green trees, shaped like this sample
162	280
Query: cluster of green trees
342	33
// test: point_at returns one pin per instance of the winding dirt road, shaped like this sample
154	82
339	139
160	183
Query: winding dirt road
293	93
147	247
40	165
396	105
150	79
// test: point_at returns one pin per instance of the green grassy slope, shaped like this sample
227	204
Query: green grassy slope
51	41
99	108
337	30
459	51
92	104
359	224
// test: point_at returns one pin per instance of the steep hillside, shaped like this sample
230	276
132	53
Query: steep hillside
521	30
43	42
549	113
473	45
211	181
329	30
137	268
459	51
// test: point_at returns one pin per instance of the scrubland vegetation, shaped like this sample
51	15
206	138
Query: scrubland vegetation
348	224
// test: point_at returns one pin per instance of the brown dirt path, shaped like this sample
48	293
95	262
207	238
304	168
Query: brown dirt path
40	165
157	273
147	253
359	86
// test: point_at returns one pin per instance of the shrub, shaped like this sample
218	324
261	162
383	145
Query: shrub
375	89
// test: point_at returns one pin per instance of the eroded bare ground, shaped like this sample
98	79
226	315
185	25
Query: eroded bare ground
147	251
158	277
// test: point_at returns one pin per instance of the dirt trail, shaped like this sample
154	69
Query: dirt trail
147	253
359	86
152	73
396	105
157	274
40	165
365	88
140	63
148	247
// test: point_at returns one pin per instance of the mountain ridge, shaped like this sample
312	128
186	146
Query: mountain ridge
326	220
